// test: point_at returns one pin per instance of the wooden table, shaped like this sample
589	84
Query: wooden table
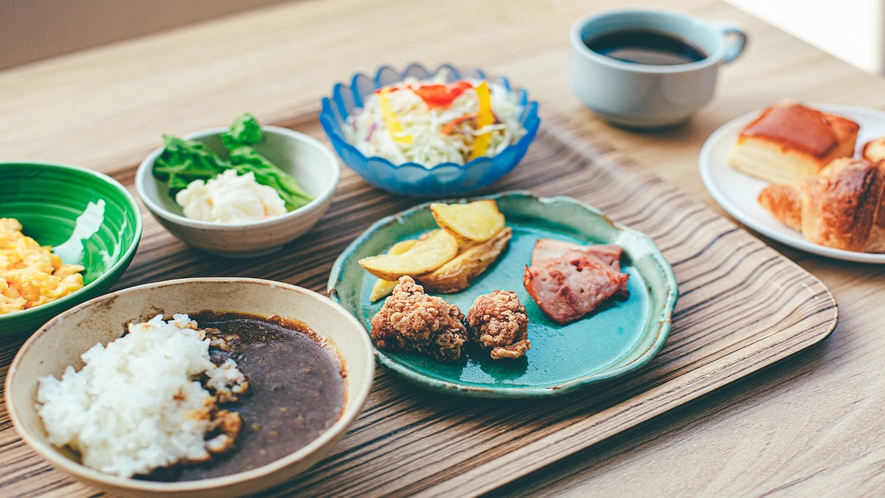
808	425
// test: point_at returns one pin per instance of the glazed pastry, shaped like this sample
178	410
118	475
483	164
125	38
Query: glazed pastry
789	142
840	208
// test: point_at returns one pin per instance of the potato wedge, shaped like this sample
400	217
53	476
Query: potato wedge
457	274
477	221
425	256
383	288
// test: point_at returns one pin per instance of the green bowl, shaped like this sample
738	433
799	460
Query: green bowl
87	217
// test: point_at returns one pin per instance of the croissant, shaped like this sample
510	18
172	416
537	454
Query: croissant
842	207
874	151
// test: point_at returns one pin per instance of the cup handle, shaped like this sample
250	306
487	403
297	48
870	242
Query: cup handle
735	41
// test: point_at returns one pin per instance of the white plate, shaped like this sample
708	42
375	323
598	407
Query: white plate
736	192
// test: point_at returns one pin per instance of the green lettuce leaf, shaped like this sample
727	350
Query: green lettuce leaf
244	131
184	161
245	159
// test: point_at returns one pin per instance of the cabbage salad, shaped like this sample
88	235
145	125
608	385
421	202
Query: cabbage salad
434	121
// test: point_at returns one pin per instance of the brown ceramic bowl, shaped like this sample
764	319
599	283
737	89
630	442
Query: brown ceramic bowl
61	341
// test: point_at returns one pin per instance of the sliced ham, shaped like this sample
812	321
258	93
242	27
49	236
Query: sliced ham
568	281
553	249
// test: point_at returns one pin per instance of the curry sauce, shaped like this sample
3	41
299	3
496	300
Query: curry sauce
296	390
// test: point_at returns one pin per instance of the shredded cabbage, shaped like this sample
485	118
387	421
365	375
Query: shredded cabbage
434	130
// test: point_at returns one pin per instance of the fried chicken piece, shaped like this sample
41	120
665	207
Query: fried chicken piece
498	321
412	321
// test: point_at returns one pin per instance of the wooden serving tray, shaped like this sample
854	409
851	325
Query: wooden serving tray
742	306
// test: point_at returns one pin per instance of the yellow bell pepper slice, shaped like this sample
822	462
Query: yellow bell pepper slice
391	121
484	117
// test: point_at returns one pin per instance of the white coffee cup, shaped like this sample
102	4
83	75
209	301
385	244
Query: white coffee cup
641	95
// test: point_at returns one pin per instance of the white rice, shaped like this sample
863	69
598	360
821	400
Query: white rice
136	405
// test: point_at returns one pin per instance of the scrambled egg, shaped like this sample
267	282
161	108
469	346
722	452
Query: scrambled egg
30	275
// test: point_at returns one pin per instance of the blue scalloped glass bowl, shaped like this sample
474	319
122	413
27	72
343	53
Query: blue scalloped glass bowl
412	179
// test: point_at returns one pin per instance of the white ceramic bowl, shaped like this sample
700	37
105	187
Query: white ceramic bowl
305	158
60	342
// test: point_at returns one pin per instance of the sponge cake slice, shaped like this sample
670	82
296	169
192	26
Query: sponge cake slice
789	142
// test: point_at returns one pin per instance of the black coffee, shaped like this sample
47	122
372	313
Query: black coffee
653	48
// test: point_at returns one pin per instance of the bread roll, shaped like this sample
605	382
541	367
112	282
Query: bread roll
874	150
789	142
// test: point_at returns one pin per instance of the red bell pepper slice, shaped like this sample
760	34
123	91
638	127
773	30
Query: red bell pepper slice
441	95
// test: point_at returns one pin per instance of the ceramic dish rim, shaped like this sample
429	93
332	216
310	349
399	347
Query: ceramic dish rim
144	169
578	44
530	110
349	414
474	390
124	259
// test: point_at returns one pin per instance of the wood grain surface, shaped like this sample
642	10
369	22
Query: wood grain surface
742	306
811	425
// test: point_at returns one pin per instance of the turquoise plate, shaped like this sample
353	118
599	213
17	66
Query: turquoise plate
621	336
